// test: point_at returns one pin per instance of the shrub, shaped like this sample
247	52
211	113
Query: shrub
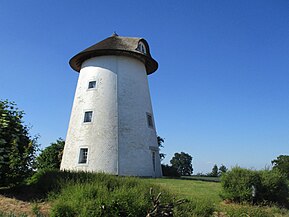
62	210
50	157
237	184
274	187
271	186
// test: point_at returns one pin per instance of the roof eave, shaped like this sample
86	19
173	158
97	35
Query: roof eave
76	61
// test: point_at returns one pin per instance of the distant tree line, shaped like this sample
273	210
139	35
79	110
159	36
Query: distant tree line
216	172
18	158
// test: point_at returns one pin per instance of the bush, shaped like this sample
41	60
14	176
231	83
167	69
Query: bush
237	184
60	210
170	171
271	186
274	187
50	157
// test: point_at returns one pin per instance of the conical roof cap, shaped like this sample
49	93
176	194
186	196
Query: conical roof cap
117	45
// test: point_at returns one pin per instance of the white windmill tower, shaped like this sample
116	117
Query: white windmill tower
111	126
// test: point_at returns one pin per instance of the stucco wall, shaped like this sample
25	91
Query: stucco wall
135	136
118	139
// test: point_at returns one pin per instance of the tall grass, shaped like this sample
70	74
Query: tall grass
91	194
99	194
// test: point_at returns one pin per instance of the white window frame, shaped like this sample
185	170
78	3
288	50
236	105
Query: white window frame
81	156
141	47
83	119
92	88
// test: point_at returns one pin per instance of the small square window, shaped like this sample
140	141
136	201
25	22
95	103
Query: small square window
150	120
87	117
83	156
92	84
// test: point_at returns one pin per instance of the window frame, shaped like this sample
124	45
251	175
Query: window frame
92	88
150	120
141	47
84	116
83	156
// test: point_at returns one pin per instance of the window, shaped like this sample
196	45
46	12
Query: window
87	117
141	47
83	156
154	160
150	120
91	84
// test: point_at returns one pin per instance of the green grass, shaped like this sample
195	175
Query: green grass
208	192
99	194
197	190
90	194
202	178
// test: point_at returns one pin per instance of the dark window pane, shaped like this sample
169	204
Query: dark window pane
83	155
150	120
87	116
91	84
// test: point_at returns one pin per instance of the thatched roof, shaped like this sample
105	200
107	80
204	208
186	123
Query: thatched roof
116	45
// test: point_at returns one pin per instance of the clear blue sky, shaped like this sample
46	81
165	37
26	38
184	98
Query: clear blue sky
221	92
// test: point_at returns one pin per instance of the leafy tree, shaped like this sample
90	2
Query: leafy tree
282	164
183	163
17	147
170	171
214	172
222	169
160	143
50	157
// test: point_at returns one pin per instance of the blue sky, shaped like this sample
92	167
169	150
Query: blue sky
221	92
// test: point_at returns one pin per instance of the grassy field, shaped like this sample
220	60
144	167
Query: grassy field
209	191
89	191
198	190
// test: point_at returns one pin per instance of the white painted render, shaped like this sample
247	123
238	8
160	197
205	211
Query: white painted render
118	139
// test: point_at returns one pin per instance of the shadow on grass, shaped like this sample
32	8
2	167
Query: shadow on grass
26	193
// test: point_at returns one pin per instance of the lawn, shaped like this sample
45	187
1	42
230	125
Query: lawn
209	191
189	189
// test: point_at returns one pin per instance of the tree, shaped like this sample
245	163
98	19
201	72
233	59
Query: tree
183	163
222	169
17	147
160	143
282	164
214	172
50	157
170	171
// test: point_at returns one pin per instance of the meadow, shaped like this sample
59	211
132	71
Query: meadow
87	194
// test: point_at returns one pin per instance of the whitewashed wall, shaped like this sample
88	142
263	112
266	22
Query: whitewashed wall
118	139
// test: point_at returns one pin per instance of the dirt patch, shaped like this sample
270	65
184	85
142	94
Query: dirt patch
18	207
